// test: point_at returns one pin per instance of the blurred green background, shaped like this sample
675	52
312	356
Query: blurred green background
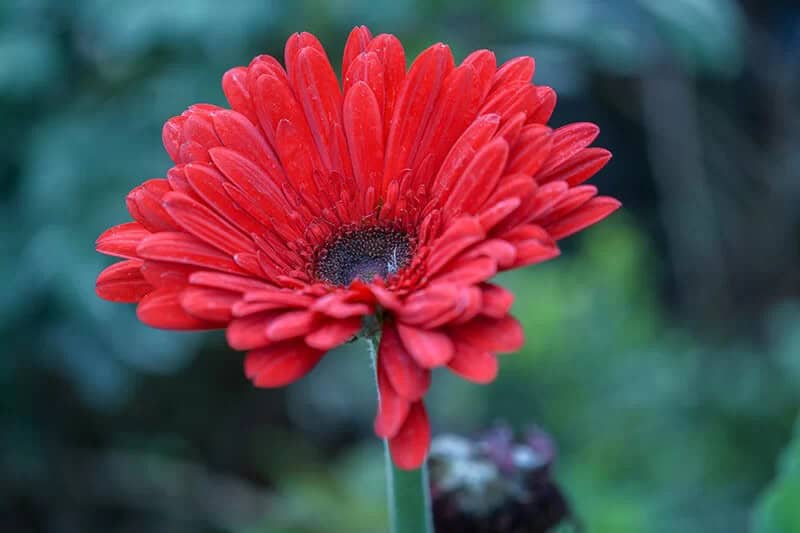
663	347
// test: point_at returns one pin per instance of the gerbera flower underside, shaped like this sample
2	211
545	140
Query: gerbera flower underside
311	204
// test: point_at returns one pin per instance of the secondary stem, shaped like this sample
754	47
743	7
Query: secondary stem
407	490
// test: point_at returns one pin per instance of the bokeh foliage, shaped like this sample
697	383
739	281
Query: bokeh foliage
663	348
779	510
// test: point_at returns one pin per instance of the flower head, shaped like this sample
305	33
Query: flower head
493	482
311	204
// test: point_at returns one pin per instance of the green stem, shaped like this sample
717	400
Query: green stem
407	490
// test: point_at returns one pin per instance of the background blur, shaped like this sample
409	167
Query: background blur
663	348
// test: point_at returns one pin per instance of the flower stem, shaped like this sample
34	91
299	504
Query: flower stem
408	491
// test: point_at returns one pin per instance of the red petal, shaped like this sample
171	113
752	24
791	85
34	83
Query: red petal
243	137
206	225
415	104
162	274
367	68
567	141
209	185
479	179
198	127
580	167
518	69
531	150
410	446
176	178
392	408
337	306
234	85
511	128
144	205
122	282
249	332
297	155
517	186
534	251
363	127
280	364
547	196
171	135
121	240
528	232
264	79
572	200
462	152
517	97
510	336
192	152
276	103
390	52
490	334
290	324
185	249
208	304
469	271
406	376
317	90
227	281
485	65
283	297
243	309
467	306
590	213
495	214
357	42
429	348
250	262
427	304
297	43
478	366
386	298
333	333
269	216
162	309
497	300
456	107
264	65
546	98
462	234
251	179
501	252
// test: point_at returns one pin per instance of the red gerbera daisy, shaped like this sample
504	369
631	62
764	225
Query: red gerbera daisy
399	194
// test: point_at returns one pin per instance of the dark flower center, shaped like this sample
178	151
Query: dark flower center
363	254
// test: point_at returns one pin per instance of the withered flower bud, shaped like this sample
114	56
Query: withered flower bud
495	484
